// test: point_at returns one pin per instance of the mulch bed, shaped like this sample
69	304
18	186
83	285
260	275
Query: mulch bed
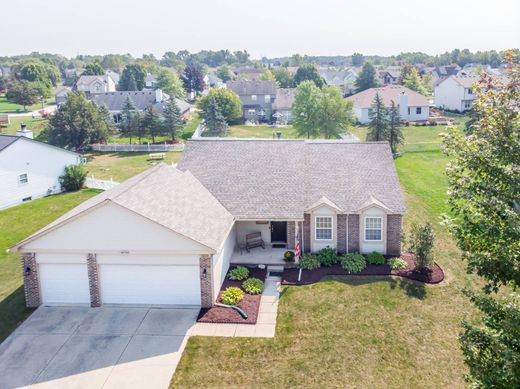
250	304
430	276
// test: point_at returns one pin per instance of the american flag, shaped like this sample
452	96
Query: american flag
297	247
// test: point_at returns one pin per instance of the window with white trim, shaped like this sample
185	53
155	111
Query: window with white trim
23	179
373	228
323	227
418	110
253	97
267	98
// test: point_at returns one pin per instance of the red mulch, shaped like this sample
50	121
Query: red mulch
250	304
429	276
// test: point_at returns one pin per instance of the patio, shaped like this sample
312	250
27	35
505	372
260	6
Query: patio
259	256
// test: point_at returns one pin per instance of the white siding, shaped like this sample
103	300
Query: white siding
317	245
247	227
221	261
369	246
449	94
43	165
64	283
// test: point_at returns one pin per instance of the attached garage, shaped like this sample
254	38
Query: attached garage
64	283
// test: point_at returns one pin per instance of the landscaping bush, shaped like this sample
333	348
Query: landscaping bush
422	238
239	273
73	178
253	286
374	258
353	263
397	263
308	262
288	256
327	256
232	295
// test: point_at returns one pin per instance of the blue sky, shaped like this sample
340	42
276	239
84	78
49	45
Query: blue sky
266	27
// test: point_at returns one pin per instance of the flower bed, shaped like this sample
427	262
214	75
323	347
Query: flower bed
431	276
250	304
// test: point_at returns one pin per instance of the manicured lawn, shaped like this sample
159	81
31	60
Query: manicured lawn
7	106
260	131
123	165
357	332
16	224
36	125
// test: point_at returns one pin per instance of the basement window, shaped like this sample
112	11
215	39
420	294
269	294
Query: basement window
23	179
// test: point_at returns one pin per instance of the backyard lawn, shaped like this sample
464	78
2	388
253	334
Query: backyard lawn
7	106
36	125
353	331
260	131
16	224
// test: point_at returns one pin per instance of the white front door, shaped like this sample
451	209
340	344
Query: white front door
64	283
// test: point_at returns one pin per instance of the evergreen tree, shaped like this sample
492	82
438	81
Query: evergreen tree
107	118
131	84
395	133
151	123
378	125
366	78
135	71
129	123
172	119
213	120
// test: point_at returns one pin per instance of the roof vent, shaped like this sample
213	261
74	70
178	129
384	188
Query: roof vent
24	131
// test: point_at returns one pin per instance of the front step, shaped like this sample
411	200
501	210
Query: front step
276	268
274	272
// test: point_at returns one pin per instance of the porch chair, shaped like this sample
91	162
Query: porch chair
254	239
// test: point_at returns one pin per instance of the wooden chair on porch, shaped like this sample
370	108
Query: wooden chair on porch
254	239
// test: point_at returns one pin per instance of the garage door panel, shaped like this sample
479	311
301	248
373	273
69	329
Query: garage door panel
150	284
64	283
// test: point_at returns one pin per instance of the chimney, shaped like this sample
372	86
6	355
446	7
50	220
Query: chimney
278	134
158	96
403	106
24	131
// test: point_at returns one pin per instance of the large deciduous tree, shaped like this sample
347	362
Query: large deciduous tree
366	79
169	82
306	110
308	72
23	92
335	113
484	193
283	77
135	71
192	79
224	73
93	69
228	102
378	124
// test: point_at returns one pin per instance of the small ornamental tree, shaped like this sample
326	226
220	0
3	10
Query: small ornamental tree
73	178
378	125
422	238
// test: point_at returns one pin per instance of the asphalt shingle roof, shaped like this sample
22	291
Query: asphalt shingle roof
248	87
7	140
388	93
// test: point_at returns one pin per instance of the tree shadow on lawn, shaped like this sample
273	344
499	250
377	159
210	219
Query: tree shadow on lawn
13	312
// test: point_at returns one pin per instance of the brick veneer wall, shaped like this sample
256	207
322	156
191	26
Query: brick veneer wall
353	233
291	232
341	230
30	280
206	281
93	280
307	233
393	234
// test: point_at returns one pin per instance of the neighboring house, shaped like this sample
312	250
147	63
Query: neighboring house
342	78
150	80
213	81
455	93
168	235
248	73
29	169
440	73
113	75
71	76
257	98
282	105
115	101
389	76
412	105
61	95
95	84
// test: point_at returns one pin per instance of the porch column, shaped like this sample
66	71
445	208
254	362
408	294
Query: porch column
341	245
307	233
93	280
353	233
291	235
31	285
206	281
393	234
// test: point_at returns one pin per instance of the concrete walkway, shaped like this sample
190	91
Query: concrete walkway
266	322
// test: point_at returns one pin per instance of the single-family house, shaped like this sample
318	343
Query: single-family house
113	75
440	73
389	76
168	235
95	84
412	105
455	93
248	73
213	81
61	95
30	169
282	106
150	80
257	98
342	78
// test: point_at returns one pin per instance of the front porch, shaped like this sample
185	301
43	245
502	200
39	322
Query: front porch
259	256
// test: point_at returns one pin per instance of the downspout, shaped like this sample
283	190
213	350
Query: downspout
346	236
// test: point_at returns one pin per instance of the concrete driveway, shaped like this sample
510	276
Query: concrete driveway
108	347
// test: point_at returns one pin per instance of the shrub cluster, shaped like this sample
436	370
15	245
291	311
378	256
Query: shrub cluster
327	256
397	263
73	178
308	262
239	273
374	258
232	295
253	286
353	263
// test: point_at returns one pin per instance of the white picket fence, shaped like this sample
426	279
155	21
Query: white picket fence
94	183
137	148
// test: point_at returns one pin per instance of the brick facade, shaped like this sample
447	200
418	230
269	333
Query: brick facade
291	235
307	233
30	280
206	281
341	231
353	233
93	280
393	234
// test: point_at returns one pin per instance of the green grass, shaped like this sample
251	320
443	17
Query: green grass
261	131
352	331
16	224
7	106
123	165
36	125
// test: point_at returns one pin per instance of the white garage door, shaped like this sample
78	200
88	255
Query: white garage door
150	284
64	283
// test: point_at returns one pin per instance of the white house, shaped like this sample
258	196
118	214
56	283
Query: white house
30	169
412	105
455	93
96	84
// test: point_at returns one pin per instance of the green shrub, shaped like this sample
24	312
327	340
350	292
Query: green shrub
374	258
397	263
288	256
327	256
421	244
239	273
73	178
308	262
232	295
353	263
253	286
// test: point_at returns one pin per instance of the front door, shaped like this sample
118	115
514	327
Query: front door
278	233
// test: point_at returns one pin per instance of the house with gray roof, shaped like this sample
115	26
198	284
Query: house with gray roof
257	98
95	84
169	235
455	93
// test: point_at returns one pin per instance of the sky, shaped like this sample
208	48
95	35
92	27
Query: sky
269	28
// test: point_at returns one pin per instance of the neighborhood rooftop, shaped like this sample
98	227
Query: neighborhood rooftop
247	87
388	93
